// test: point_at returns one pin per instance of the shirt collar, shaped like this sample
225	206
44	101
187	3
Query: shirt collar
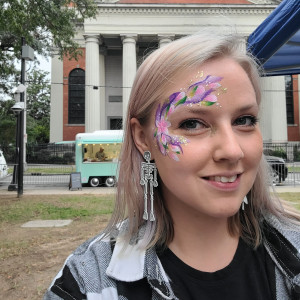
133	262
127	263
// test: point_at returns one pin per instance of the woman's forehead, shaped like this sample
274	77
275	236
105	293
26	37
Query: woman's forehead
227	69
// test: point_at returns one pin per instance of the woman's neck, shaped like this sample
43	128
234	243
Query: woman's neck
205	245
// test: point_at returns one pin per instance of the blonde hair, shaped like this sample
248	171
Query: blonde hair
154	75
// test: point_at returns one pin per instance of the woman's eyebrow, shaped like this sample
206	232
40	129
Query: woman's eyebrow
248	107
198	109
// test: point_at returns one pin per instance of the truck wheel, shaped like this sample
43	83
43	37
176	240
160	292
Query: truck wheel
110	181
94	181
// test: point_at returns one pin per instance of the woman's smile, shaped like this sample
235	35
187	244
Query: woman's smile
226	183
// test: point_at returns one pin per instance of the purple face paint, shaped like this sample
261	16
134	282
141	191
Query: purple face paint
202	92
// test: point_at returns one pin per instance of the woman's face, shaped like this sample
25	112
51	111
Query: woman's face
205	140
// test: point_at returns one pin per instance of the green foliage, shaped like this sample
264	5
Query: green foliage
38	107
37	132
8	132
37	111
296	153
45	25
38	96
279	152
7	123
5	109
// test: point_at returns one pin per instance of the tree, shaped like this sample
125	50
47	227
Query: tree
7	123
38	107
45	25
37	111
38	96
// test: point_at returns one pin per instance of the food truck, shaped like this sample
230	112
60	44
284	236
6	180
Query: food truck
97	156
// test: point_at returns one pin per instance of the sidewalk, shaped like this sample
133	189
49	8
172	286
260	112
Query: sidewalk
287	189
58	190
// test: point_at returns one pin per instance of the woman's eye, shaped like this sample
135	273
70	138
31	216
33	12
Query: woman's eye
246	121
191	125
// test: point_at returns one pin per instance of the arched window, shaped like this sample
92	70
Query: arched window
76	96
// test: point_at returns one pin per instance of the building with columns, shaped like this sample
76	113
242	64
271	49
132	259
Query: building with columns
92	93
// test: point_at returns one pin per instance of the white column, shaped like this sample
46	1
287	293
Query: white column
164	39
56	107
102	55
129	68
92	83
273	121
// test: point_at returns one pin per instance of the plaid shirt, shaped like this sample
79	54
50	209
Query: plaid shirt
96	270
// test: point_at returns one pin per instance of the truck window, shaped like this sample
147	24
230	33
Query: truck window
92	153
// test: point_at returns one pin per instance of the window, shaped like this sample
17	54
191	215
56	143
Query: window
115	99
101	152
76	96
289	99
115	123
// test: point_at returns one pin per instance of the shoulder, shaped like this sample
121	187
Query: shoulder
84	271
282	228
281	238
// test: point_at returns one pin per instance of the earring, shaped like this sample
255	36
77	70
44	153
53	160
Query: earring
245	201
148	176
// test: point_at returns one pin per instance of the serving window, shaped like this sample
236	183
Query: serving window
101	152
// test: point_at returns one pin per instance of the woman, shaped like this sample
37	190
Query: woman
193	189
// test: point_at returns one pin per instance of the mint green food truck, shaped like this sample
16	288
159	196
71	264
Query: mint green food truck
97	156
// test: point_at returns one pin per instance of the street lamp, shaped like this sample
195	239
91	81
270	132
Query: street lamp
18	109
17	181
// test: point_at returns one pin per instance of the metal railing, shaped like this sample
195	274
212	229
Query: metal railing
289	151
43	153
42	174
293	177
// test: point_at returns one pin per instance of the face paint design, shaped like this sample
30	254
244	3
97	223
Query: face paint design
202	92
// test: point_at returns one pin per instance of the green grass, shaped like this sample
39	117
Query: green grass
50	207
291	197
54	207
52	170
63	169
293	169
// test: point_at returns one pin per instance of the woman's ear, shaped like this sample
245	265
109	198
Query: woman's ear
139	136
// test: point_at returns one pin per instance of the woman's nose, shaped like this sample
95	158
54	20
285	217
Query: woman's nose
227	145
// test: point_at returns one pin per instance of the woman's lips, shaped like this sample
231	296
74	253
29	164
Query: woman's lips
223	179
224	182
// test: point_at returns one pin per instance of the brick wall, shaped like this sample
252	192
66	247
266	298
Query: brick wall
69	130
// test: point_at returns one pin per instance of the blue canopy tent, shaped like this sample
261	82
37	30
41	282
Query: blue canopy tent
276	41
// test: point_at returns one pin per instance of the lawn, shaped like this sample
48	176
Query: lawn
31	257
294	198
44	169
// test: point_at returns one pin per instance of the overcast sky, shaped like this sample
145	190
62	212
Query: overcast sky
44	64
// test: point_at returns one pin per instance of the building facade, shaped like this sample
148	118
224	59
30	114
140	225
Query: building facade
92	93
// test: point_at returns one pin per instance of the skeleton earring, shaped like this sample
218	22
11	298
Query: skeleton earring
148	175
245	201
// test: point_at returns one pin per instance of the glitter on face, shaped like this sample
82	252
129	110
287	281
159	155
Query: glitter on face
203	92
